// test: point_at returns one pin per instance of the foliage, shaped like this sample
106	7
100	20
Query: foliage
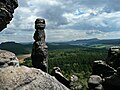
27	62
72	59
77	61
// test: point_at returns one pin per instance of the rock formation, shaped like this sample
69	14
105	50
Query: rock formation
95	83
59	76
112	82
108	70
24	78
8	59
102	69
7	8
15	77
113	58
40	50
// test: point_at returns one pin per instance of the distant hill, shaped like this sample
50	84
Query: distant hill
88	42
16	48
84	41
26	48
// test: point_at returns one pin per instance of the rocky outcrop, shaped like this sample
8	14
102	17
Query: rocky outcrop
112	82
15	77
8	59
59	76
113	58
40	50
7	8
108	70
24	78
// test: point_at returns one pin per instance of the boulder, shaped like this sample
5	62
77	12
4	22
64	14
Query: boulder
24	78
95	83
8	59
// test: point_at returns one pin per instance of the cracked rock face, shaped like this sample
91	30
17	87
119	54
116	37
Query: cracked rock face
8	59
7	8
24	78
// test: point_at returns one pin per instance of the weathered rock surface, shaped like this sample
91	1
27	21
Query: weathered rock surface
8	59
7	8
113	58
59	76
108	70
39	54
24	78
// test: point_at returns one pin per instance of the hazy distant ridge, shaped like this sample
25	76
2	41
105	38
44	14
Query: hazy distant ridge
25	48
94	41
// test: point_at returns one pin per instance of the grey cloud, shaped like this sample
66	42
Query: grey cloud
22	3
99	15
54	15
108	5
94	33
93	3
8	32
112	6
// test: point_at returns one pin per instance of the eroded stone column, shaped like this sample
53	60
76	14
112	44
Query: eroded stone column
40	50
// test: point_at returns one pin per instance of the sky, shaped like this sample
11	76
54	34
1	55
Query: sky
66	20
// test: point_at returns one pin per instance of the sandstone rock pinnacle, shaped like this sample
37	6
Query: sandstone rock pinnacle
40	50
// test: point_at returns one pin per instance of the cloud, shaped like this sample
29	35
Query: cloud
112	6
64	35
66	20
17	36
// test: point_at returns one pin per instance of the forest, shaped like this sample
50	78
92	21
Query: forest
74	61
